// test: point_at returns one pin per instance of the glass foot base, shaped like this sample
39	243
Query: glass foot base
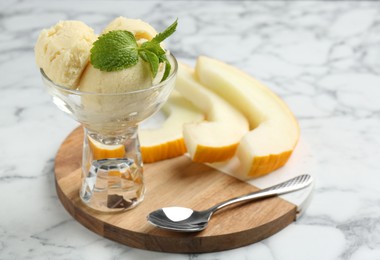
112	185
113	203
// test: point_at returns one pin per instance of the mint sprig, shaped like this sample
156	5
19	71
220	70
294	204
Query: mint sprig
118	50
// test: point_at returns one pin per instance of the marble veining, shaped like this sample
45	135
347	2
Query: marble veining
321	57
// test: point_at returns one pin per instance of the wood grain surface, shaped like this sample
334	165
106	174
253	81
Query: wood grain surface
175	182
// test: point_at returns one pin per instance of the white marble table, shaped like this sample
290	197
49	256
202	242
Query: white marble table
322	58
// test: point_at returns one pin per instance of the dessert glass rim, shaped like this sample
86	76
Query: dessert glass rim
153	87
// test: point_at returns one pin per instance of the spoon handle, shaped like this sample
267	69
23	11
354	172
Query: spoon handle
293	184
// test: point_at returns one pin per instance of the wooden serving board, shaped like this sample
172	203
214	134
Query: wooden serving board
175	182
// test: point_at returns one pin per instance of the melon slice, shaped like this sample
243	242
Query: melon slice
102	151
217	138
166	141
275	131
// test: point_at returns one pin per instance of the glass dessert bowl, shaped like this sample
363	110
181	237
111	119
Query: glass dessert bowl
112	168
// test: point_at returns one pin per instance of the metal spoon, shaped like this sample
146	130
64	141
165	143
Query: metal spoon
188	220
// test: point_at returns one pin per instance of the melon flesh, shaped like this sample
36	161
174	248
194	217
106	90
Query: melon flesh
274	129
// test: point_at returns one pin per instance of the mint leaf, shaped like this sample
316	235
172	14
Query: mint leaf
143	55
115	50
152	59
152	52
152	47
165	34
168	67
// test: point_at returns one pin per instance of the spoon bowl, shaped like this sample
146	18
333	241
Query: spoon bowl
183	219
180	219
